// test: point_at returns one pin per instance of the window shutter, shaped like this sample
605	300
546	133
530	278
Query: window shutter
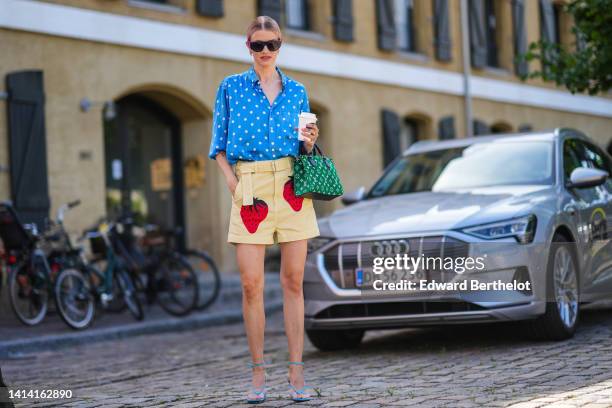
210	8
391	133
386	25
480	128
270	8
519	35
442	40
27	146
446	128
478	42
547	28
343	20
547	21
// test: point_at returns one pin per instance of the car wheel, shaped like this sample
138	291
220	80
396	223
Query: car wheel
330	340
562	294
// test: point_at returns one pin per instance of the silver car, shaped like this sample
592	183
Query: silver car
535	208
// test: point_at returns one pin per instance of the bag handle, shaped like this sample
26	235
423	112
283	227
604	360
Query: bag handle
316	149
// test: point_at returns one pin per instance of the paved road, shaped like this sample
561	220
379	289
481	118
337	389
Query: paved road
453	367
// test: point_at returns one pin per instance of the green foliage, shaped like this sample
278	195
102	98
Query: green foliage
588	67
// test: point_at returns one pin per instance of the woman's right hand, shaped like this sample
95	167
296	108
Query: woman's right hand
231	184
230	177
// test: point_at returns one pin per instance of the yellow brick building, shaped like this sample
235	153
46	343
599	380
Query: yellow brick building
105	96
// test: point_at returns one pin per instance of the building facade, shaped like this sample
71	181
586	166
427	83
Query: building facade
110	101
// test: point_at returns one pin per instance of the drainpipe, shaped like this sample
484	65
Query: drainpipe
465	52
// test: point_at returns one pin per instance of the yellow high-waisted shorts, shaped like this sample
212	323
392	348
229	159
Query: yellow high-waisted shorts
265	209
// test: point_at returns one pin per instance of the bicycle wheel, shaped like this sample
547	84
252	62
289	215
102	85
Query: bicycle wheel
177	285
74	300
97	281
29	294
129	293
208	275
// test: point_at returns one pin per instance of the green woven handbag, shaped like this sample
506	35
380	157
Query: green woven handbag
315	176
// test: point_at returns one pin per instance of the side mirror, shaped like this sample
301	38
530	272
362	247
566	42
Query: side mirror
353	196
583	177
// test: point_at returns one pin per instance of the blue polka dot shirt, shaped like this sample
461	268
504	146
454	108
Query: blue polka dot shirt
247	127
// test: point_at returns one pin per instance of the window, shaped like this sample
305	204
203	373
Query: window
172	6
577	153
597	158
477	165
501	127
549	27
558	12
409	133
480	127
296	14
571	157
399	133
490	28
491	33
404	23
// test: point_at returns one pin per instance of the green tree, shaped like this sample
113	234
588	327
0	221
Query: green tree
588	67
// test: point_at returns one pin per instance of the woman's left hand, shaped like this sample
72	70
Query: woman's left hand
310	133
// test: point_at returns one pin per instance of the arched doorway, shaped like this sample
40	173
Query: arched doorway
143	164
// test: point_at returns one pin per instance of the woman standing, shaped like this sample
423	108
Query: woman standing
255	127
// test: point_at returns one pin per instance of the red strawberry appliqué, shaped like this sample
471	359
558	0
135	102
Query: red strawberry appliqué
289	194
253	215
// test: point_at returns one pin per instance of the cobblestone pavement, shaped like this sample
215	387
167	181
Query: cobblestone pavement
491	366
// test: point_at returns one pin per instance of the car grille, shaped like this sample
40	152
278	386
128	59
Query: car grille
396	308
342	259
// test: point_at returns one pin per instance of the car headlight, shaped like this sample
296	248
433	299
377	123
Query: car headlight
523	229
318	242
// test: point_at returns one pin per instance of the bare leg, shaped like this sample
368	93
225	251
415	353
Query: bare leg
251	265
293	258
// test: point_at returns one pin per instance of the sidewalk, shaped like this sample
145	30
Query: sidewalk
53	333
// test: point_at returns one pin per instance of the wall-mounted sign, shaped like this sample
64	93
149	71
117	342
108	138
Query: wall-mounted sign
161	174
194	171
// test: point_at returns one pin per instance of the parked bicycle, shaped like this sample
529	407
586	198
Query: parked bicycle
112	286
75	303
164	275
31	277
207	273
209	279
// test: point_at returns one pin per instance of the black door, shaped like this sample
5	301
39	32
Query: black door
28	146
143	160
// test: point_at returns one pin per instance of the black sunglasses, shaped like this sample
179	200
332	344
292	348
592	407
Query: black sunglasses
258	46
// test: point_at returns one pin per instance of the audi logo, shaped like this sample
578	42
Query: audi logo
390	247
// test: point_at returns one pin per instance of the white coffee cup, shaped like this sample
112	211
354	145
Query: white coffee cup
304	119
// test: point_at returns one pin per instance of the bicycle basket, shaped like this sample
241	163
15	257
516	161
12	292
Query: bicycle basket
97	244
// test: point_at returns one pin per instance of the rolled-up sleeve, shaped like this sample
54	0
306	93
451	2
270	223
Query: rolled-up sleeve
220	123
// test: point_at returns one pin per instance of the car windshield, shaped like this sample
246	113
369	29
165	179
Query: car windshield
478	165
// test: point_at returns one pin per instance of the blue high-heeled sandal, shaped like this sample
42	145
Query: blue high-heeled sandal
297	395
257	395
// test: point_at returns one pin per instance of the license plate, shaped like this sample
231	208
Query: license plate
365	277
